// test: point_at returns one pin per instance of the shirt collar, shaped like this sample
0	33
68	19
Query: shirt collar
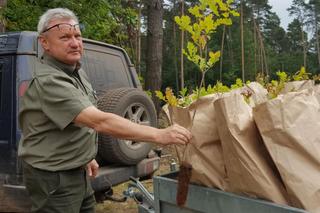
69	69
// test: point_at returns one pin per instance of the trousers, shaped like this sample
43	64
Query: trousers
67	191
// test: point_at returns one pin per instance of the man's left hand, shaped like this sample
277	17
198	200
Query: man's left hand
92	168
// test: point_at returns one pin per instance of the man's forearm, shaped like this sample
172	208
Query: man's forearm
112	124
122	128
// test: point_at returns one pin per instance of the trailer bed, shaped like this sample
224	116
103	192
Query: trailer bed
204	199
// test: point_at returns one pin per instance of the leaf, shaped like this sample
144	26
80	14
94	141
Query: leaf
183	92
213	7
172	100
208	23
301	75
160	95
238	84
222	6
149	93
226	15
220	88
213	58
195	11
183	22
234	13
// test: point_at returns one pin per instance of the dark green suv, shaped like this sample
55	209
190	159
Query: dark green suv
115	81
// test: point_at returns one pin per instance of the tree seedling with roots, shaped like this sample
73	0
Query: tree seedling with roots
203	21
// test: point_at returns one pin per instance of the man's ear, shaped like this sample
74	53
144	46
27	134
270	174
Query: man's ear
44	42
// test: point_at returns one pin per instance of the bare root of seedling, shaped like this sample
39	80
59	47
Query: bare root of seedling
183	183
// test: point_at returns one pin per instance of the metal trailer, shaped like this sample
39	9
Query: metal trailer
201	200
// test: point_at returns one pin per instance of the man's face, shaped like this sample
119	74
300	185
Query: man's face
63	41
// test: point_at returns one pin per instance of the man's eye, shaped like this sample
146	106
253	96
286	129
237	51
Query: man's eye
64	38
78	37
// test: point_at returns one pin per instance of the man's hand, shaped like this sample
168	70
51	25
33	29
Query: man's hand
92	168
174	134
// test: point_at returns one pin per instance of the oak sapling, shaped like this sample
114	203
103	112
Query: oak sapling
207	16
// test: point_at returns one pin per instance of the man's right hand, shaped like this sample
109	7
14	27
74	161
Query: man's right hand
174	134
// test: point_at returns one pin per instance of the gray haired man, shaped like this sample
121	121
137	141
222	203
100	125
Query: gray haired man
59	123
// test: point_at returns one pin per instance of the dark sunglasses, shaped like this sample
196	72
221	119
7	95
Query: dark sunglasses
64	27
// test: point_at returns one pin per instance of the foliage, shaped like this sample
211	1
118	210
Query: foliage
276	86
102	20
169	97
207	16
185	99
238	84
301	75
110	21
218	88
262	79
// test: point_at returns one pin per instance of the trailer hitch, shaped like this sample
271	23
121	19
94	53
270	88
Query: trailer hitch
108	195
143	197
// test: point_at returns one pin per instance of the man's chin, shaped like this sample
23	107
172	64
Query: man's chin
73	60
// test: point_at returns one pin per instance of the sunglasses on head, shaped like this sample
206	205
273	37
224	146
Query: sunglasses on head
64	27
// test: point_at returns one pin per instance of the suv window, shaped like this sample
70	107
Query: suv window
105	70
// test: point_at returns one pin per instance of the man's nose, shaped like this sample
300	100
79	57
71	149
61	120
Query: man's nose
74	42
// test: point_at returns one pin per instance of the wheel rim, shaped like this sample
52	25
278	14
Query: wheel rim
136	113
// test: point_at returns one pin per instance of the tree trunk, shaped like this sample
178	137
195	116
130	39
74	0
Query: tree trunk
304	46
3	4
182	46
262	52
230	47
255	45
154	47
317	40
318	47
138	45
176	70
242	42
222	48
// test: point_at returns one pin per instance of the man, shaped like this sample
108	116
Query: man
59	122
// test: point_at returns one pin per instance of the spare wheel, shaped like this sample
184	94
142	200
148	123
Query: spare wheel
132	104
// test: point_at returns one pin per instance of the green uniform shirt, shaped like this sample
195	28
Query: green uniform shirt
55	96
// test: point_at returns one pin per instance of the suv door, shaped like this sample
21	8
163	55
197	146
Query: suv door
7	115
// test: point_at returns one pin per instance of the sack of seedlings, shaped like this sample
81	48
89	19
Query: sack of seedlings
289	126
295	86
204	152
250	169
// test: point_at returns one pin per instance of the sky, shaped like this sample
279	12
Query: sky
280	7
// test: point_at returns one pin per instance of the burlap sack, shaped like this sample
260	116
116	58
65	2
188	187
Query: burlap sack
250	169
204	152
290	126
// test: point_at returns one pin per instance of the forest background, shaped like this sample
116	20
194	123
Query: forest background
255	44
